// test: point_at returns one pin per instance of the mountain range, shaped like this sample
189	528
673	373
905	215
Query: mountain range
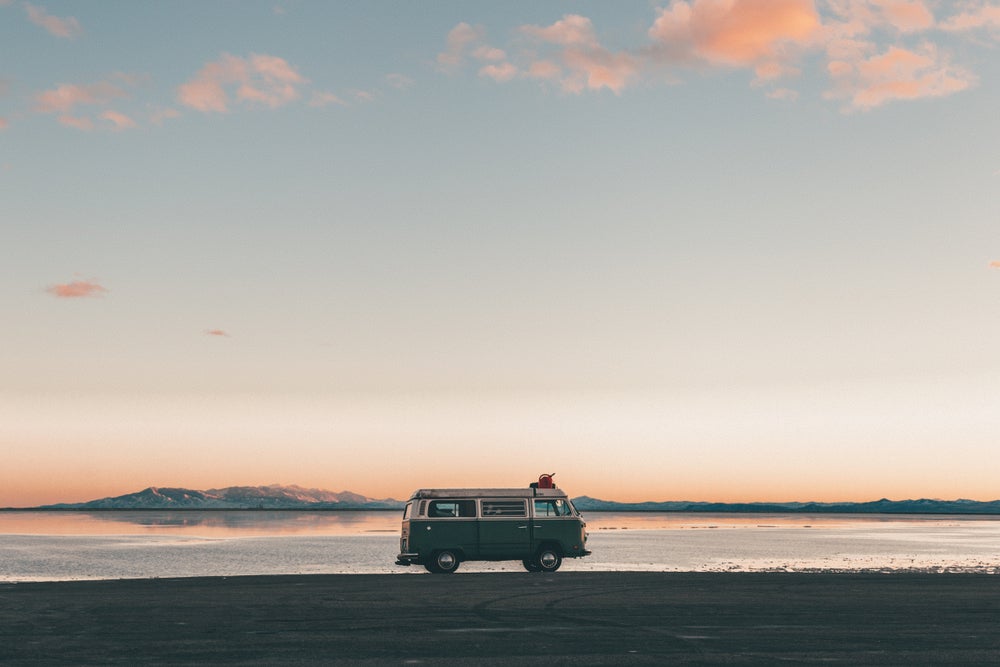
883	506
271	497
279	497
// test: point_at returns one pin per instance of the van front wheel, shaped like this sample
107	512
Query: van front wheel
547	560
443	562
530	566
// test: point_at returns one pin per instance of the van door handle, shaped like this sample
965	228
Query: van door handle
522	527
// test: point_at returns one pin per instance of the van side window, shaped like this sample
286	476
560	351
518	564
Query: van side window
452	508
554	507
504	508
406	511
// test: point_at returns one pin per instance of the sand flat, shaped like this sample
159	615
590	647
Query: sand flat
611	618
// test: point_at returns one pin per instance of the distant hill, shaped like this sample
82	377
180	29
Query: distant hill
883	506
235	497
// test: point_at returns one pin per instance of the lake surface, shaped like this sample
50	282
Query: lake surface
54	546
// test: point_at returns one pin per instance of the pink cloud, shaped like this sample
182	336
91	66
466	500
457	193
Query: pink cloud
3	124
598	68
853	18
544	69
734	32
906	15
60	27
995	264
783	94
499	73
322	99
119	120
868	47
66	96
585	64
489	53
216	332
987	16
77	289
897	74
571	30
262	79
459	40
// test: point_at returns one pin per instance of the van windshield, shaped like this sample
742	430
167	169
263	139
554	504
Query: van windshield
553	507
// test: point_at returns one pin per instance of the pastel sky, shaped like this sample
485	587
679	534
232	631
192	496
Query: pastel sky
704	250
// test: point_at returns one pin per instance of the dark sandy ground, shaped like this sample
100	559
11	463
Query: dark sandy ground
590	618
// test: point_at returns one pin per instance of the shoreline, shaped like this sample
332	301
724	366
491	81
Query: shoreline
930	571
592	618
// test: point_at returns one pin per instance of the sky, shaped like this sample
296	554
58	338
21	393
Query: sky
720	250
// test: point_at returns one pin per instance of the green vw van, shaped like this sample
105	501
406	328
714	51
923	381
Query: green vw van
537	526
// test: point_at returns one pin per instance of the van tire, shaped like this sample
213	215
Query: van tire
530	566
548	559
443	562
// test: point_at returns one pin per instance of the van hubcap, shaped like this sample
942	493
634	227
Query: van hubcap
446	560
547	559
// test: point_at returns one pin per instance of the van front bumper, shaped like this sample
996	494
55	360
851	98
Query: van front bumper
407	559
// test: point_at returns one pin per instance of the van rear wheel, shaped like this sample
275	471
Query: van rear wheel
443	562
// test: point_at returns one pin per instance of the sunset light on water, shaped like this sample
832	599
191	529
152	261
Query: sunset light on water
678	250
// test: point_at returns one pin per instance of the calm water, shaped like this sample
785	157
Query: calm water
49	546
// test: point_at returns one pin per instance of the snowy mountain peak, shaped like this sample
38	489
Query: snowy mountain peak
272	496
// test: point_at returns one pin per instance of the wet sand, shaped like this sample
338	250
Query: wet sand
591	618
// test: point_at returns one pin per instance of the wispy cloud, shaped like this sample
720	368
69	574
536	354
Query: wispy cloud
3	123
77	289
995	264
897	74
160	114
119	120
501	72
458	42
60	27
258	79
66	96
217	332
583	63
69	101
974	18
325	99
399	81
872	52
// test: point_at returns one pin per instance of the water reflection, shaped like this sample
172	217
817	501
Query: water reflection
600	521
212	523
262	523
54	546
